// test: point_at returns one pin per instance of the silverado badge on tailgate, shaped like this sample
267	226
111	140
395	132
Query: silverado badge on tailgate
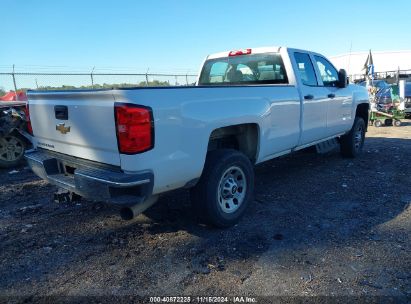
62	128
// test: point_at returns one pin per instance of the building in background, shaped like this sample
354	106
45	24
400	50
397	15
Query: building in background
385	61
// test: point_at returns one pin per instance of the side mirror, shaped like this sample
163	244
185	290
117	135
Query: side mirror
342	79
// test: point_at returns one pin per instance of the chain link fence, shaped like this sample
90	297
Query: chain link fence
71	81
20	81
390	76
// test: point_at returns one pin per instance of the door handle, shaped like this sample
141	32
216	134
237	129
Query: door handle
331	95
308	97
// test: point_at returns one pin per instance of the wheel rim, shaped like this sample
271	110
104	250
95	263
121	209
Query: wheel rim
358	138
231	189
11	148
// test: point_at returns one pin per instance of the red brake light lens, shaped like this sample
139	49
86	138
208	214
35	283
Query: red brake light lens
240	52
135	128
28	121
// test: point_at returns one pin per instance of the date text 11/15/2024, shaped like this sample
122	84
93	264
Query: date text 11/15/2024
235	299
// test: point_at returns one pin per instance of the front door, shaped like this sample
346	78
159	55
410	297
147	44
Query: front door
339	109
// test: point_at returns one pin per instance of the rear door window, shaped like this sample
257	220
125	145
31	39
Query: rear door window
305	69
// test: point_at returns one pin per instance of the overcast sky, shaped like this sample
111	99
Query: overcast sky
176	35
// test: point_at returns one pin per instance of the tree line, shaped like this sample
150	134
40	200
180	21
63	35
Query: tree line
154	83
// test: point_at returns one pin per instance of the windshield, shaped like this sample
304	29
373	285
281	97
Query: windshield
244	69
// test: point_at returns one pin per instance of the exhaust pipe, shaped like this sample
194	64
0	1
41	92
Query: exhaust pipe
128	213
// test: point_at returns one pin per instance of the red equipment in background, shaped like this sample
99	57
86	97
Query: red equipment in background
13	129
12	96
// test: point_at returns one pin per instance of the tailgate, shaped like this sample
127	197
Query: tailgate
79	124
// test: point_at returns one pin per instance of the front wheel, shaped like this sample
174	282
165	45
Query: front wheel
397	123
351	143
225	188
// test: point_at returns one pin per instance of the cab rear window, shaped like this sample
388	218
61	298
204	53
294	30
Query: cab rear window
244	69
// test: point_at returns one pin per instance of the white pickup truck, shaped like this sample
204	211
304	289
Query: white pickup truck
127	146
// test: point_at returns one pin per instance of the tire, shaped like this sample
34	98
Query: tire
225	188
11	150
397	123
377	123
351	143
388	122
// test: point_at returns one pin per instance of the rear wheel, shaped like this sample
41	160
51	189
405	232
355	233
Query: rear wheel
11	151
351	143
377	123
397	123
225	188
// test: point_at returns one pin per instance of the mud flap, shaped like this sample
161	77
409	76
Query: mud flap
326	146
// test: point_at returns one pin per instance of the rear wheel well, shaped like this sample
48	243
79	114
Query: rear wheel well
362	111
243	137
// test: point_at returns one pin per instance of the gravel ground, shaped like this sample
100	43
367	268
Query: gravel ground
320	225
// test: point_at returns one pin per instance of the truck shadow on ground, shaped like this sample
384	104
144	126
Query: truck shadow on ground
301	200
302	181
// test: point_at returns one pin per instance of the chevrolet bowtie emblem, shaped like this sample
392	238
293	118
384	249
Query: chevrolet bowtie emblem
62	128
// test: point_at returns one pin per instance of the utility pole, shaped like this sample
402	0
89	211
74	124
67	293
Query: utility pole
92	79
349	60
15	86
147	77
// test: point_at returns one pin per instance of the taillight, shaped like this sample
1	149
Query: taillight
28	121
135	128
240	52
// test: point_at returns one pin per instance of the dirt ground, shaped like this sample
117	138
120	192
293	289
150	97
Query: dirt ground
320	225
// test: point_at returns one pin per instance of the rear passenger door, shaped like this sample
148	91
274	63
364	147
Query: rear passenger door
314	96
339	116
